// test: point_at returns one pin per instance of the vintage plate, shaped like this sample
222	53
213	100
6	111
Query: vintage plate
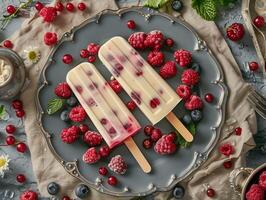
166	170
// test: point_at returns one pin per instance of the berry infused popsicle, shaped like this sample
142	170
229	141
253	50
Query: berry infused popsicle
152	94
107	112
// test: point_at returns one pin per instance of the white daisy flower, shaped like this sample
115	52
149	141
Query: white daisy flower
31	56
4	162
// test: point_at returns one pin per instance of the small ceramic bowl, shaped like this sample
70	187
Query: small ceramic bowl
13	84
242	178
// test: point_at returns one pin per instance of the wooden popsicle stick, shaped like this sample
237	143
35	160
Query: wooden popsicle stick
134	149
184	132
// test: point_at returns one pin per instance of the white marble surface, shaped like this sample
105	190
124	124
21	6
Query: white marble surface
243	52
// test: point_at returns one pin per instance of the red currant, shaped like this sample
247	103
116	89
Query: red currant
259	21
10	129
8	44
21	147
148	129
67	59
169	42
83	128
156	134
11	9
84	53
131	105
210	192
147	143
39	5
17	104
228	164
82	6
131	24
103	171
91	59
238	130
209	97
59	6
104	151
20	113
253	66
21	178
66	198
10	140
70	7
112	180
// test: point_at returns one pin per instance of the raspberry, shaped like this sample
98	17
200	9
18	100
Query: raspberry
183	57
93	49
226	149
50	38
28	195
155	58
193	102
115	85
262	180
118	165
70	135
136	40
91	156
190	77
48	14
156	134
165	145
77	114
235	31
154	40
183	91
92	138
63	90
255	193
168	70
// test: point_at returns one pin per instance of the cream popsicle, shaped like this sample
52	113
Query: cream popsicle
108	113
152	94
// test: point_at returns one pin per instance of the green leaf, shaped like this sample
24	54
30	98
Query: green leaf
205	8
55	105
226	2
2	111
181	141
155	3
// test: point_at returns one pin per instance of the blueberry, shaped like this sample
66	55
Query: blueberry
177	5
178	192
196	67
196	115
53	188
187	119
72	101
82	191
64	116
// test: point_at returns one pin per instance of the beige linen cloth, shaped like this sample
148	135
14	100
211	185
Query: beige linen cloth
238	111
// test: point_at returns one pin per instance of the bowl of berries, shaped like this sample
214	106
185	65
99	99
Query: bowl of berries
252	184
143	100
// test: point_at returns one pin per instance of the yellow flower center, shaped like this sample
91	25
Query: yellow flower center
2	162
32	55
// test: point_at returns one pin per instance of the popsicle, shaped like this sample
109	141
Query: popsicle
108	113
155	98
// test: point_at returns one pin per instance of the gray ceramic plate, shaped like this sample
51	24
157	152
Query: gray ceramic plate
166	170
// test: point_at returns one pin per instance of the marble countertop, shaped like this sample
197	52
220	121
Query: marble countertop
21	163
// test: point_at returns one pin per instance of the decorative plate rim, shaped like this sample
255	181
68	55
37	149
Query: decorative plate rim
199	157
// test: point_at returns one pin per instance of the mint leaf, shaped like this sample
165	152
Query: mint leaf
55	105
181	141
155	3
2	111
205	8
226	2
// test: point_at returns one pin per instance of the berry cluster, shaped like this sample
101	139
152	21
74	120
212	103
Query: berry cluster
257	191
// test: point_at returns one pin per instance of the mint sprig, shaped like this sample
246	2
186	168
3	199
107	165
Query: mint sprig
205	8
2	111
181	141
54	105
155	3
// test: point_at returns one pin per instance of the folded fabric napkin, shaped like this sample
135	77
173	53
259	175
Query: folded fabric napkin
238	111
